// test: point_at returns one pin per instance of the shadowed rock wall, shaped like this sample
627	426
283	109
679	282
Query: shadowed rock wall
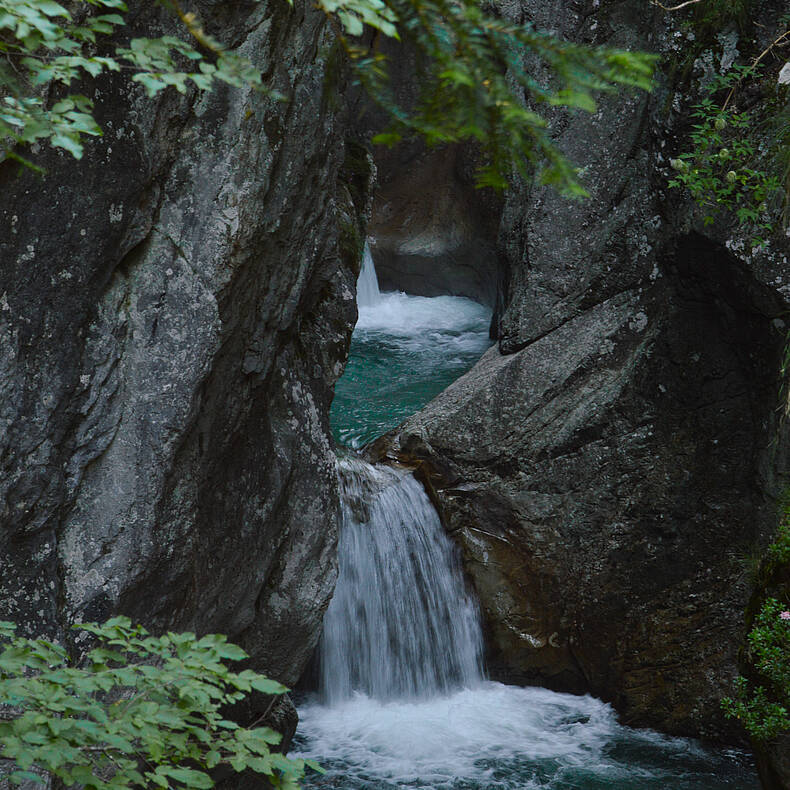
609	467
175	311
432	233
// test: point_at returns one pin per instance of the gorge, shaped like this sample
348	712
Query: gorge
582	403
402	697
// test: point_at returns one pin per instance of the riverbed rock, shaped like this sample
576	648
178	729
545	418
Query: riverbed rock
611	465
773	763
176	308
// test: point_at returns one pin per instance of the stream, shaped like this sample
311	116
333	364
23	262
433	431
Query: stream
404	351
402	698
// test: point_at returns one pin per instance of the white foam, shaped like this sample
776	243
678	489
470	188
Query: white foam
475	734
402	314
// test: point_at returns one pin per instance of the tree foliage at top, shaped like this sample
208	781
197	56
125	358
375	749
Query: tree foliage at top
481	78
45	46
485	79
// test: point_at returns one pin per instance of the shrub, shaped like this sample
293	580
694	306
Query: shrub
763	706
762	701
137	711
723	169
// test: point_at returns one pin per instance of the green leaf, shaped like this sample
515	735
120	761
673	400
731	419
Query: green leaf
151	83
262	683
312	764
231	651
51	8
20	777
187	776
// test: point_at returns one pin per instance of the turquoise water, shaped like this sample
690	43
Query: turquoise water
405	350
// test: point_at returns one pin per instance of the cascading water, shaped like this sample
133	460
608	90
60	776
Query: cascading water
368	293
402	702
405	350
400	625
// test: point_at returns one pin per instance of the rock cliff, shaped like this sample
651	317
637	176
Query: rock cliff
611	464
175	311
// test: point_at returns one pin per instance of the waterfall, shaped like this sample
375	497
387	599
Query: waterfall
402	700
368	293
401	624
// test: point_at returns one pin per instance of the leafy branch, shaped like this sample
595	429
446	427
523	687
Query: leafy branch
481	78
43	45
762	701
722	169
485	79
763	706
138	711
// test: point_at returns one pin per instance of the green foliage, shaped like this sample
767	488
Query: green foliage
355	14
45	45
780	148
723	170
713	16
475	82
762	702
139	711
778	552
764	708
482	78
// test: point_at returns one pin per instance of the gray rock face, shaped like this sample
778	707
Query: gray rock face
606	483
610	467
432	232
773	763
175	312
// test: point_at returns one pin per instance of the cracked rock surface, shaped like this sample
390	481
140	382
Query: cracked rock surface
610	466
175	309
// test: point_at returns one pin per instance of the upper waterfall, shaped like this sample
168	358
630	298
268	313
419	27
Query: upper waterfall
404	351
368	293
